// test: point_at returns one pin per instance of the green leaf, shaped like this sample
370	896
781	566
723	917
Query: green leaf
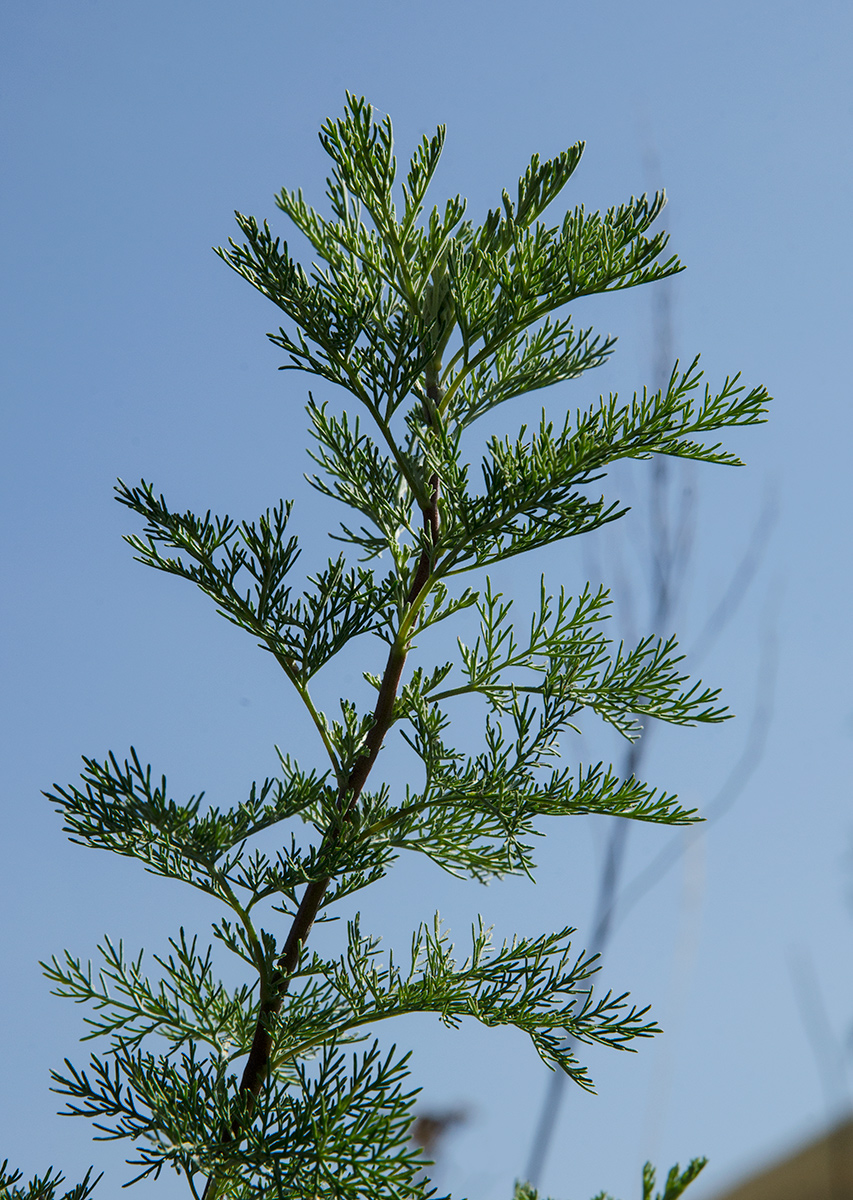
44	1187
536	985
676	1180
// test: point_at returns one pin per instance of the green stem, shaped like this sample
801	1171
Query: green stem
246	921
415	485
316	717
258	1063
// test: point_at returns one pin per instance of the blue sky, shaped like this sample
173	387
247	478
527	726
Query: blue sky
130	134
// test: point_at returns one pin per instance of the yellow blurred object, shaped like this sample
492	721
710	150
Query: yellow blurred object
821	1170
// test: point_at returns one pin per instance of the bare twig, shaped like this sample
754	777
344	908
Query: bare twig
741	579
671	537
829	1061
826	1049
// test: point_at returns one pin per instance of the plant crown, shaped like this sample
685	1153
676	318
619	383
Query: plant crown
429	322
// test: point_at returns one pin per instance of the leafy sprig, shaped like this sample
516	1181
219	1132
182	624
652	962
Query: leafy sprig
43	1187
428	321
676	1183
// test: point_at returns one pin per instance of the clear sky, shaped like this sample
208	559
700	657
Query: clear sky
130	134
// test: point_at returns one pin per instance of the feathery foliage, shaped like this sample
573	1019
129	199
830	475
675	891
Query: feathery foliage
428	321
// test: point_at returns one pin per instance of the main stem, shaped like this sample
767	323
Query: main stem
274	992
